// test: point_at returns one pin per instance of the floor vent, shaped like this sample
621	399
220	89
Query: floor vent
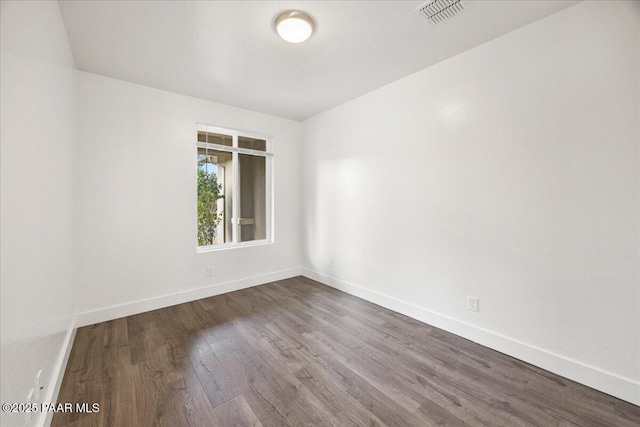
437	11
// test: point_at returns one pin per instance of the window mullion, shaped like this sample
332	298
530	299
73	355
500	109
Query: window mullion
236	192
218	147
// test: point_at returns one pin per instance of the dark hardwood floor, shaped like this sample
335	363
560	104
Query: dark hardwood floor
298	353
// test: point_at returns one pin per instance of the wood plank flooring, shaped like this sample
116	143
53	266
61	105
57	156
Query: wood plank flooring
298	353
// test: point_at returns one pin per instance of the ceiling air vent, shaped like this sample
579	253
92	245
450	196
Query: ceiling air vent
438	10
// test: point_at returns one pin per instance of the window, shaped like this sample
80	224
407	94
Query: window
234	188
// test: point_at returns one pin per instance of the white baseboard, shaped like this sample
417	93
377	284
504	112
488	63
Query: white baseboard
51	393
607	382
114	312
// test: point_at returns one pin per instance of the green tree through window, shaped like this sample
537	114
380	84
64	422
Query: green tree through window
209	191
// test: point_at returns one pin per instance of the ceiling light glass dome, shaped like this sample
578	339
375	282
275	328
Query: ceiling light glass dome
294	26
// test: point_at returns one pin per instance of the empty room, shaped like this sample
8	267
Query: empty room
320	213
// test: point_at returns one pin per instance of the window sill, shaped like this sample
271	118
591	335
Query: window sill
224	247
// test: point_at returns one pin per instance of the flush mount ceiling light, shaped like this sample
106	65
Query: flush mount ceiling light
294	26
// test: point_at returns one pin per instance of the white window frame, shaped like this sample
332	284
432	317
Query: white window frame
236	150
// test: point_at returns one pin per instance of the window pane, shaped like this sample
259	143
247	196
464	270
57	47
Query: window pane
252	144
215	201
252	198
215	138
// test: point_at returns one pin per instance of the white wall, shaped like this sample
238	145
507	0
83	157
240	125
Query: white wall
38	122
510	173
136	200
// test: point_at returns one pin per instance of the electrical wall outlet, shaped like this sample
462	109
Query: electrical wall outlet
209	271
473	304
38	386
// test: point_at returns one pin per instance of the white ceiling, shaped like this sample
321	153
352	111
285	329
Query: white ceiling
228	52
